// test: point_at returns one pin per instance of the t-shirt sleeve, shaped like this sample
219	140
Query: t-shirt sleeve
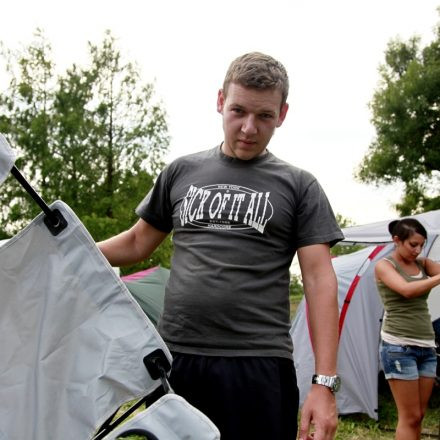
156	208
316	222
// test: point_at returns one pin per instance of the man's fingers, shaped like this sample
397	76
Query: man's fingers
326	432
304	430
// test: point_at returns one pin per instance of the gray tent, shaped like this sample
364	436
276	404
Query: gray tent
360	317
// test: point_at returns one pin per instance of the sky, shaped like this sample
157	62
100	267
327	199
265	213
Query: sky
331	49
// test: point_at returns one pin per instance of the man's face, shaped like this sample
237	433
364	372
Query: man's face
250	117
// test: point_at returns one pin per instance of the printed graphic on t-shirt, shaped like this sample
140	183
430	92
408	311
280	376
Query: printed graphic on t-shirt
226	206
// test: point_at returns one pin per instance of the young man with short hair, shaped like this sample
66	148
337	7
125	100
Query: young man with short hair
238	216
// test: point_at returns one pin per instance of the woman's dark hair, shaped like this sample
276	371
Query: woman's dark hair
406	227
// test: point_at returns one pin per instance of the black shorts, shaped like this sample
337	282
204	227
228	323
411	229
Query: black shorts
246	397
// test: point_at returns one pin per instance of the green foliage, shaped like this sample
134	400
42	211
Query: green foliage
295	287
296	292
405	110
93	136
345	249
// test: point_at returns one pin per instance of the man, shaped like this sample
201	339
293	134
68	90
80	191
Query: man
238	215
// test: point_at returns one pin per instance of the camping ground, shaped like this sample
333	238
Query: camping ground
361	427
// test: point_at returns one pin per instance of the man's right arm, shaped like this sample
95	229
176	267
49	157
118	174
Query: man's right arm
132	246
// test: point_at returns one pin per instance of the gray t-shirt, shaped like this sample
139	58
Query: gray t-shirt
237	225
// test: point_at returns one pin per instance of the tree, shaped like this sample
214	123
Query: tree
406	116
296	292
26	117
93	137
296	286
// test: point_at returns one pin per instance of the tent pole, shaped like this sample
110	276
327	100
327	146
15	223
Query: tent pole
54	219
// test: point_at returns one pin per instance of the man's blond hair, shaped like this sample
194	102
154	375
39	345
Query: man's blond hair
258	71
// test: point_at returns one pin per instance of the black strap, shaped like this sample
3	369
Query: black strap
54	220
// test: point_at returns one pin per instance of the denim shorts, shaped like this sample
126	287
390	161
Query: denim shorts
407	362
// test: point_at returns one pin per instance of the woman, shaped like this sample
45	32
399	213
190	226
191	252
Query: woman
407	347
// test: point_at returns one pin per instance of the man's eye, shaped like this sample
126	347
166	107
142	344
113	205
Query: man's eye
266	115
237	110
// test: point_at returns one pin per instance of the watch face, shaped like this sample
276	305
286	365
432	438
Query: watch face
336	384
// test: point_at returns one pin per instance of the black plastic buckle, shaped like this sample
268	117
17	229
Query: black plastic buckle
55	222
158	366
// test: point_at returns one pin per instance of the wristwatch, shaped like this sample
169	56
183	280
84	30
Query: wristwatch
331	382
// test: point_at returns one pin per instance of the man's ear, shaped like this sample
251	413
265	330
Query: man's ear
220	101
283	113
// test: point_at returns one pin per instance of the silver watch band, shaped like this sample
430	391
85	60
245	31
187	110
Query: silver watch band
331	382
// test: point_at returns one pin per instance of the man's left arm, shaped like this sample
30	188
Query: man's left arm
319	411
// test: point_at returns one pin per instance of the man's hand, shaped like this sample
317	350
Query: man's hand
319	416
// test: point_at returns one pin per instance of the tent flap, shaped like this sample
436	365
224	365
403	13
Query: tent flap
72	337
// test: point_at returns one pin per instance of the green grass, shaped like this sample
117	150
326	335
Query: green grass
361	427
133	437
295	299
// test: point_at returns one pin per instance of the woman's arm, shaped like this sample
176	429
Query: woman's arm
432	268
386	273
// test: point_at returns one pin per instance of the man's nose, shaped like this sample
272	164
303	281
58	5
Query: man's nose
249	125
